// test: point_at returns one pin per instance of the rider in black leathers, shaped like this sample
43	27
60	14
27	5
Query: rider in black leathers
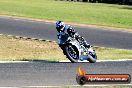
67	29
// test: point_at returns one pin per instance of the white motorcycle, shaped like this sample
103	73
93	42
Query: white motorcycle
75	50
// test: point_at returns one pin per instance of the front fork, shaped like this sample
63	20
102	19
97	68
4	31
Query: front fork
83	54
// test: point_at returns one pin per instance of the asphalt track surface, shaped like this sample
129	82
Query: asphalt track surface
54	73
40	73
45	30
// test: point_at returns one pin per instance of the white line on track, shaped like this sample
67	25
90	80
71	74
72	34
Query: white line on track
14	61
100	60
67	61
90	85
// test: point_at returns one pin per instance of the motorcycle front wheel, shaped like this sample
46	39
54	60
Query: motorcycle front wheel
72	53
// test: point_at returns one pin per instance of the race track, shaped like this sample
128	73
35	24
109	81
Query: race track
45	30
41	73
55	73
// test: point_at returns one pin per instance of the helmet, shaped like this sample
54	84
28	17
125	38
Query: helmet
70	30
60	26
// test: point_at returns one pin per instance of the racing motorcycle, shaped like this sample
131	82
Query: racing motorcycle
75	50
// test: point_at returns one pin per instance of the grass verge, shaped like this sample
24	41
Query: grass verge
76	12
12	49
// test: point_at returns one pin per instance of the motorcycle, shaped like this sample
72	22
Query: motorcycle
75	50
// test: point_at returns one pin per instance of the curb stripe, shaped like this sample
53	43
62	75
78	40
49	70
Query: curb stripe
18	37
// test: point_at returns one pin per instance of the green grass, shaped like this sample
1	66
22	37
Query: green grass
113	54
12	49
76	12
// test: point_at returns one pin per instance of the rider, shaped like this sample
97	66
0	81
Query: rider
67	29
